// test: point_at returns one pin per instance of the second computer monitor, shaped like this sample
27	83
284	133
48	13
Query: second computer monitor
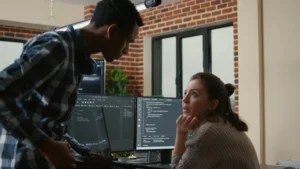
156	122
119	115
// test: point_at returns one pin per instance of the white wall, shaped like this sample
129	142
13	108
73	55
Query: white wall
269	76
34	13
282	67
249	71
147	58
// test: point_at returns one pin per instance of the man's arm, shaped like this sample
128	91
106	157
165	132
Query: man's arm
79	148
40	60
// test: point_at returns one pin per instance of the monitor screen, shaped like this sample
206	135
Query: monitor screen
156	122
102	133
119	116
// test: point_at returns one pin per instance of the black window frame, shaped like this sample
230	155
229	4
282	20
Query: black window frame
157	55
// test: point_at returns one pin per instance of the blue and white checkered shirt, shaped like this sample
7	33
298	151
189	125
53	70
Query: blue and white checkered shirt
37	92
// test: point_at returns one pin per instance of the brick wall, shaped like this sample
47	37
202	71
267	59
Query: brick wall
18	32
177	16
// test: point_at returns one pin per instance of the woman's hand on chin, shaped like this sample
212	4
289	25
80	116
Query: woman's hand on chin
185	123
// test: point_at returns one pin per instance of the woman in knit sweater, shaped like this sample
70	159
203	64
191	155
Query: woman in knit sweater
218	138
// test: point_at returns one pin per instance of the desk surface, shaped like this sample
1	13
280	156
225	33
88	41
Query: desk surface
270	167
160	166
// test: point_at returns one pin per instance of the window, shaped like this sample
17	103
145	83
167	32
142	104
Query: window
192	58
222	52
10	49
168	66
176	57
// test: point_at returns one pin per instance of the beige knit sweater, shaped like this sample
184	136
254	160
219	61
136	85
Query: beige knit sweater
217	146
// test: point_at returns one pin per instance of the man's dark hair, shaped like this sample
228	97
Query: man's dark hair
120	12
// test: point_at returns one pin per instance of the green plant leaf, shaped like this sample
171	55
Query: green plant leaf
122	154
117	83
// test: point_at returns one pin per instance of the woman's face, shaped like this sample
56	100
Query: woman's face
195	101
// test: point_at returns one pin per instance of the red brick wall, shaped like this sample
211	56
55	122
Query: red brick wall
172	17
18	32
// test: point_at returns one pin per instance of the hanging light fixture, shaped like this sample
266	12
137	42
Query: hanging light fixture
51	18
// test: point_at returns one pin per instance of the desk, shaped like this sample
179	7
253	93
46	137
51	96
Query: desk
141	165
160	166
270	167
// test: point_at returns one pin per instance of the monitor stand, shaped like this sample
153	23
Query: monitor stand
165	157
153	157
161	157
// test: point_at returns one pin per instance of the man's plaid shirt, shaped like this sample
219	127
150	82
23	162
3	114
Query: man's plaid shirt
37	92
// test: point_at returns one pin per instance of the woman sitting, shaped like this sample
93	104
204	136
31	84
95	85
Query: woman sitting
218	139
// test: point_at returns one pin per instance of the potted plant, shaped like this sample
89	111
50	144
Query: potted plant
122	156
117	85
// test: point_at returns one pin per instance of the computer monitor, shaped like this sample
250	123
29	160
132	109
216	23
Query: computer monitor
119	116
156	122
95	83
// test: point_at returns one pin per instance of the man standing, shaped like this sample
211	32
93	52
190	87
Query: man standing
38	91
